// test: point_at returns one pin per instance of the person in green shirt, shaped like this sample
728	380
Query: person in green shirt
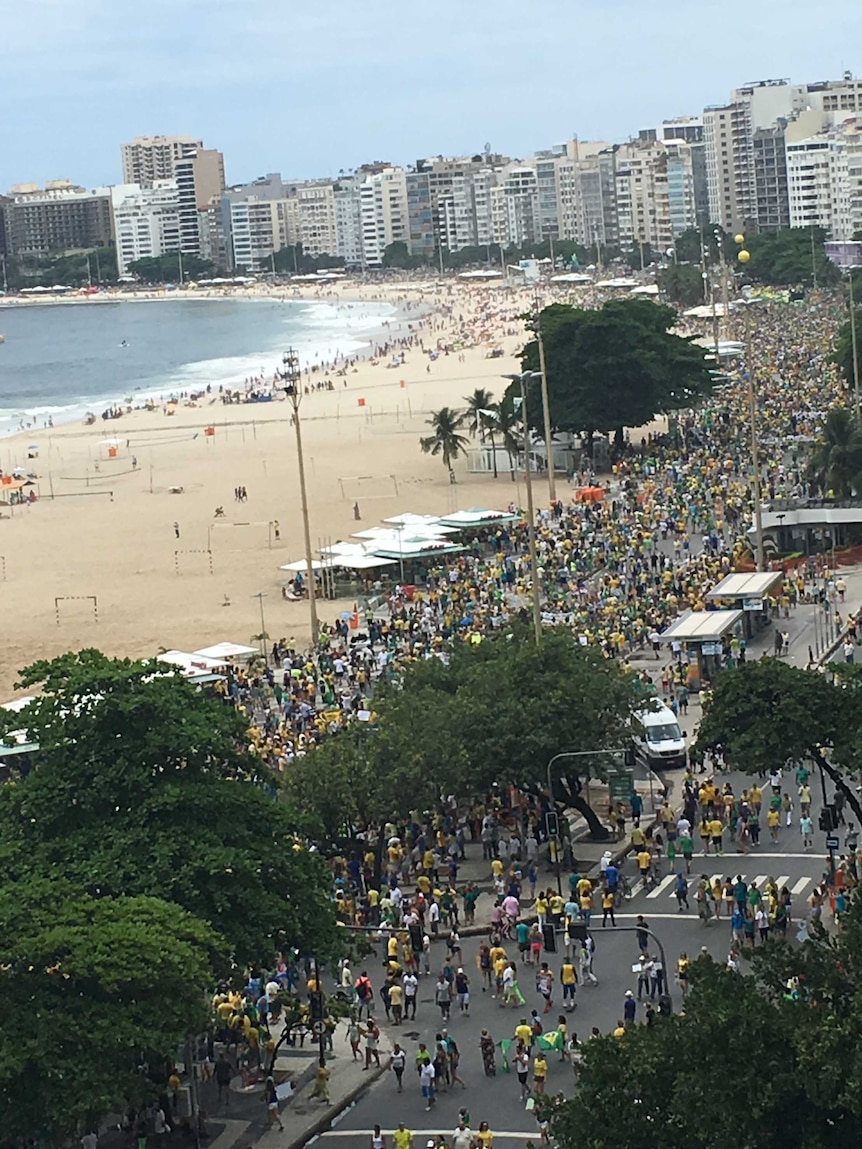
522	933
686	847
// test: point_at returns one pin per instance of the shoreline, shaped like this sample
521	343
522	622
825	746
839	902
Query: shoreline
142	397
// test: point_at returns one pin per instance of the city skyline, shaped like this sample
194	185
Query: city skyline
351	95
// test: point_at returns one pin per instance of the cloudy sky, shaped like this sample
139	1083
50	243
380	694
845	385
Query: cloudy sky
309	88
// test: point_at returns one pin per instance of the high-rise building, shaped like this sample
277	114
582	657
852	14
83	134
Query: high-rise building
824	174
595	193
57	218
384	211
150	158
772	207
200	180
251	228
146	221
347	203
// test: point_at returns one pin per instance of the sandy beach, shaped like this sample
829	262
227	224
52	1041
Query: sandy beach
109	531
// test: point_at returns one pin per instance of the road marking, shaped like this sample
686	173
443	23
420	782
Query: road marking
692	916
782	880
433	1130
663	885
760	880
799	886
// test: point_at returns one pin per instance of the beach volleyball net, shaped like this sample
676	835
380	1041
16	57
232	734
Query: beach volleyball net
356	487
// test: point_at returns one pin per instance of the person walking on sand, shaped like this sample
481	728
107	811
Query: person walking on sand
176	529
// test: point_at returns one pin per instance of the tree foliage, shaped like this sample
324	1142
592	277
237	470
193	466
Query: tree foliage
682	283
790	257
836	460
144	788
678	1085
166	268
615	367
767	714
497	712
93	989
843	354
445	439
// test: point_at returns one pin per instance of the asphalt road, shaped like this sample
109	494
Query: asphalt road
497	1099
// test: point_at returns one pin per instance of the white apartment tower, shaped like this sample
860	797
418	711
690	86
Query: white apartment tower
146	221
384	215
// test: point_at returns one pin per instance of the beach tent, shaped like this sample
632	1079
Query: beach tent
301	567
191	664
572	277
228	650
646	289
590	494
474	517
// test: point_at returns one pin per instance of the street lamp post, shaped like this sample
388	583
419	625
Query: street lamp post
743	257
546	409
521	380
855	352
292	377
260	596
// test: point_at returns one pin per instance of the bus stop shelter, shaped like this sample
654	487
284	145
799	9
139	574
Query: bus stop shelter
747	592
701	634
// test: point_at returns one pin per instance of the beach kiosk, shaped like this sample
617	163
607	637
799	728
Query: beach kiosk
747	591
701	634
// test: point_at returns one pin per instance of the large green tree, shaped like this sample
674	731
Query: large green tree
144	787
752	1063
768	714
836	459
496	712
682	283
790	257
616	367
93	990
446	438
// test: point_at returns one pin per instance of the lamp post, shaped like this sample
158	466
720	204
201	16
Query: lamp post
260	596
546	409
743	256
291	376
855	352
521	380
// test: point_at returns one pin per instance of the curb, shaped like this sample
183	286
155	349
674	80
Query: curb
327	1116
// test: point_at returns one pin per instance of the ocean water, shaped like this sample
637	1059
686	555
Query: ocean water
62	360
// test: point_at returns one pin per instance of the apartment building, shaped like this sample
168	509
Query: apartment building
149	158
347	206
200	180
58	218
252	227
384	212
824	174
146	221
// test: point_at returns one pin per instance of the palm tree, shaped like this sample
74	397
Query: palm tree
481	415
836	461
446	439
508	427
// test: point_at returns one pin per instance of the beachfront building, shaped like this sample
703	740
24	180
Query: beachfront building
146	221
58	218
200	180
147	159
824	174
383	211
253	223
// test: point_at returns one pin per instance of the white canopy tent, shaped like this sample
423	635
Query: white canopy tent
191	664
301	567
228	650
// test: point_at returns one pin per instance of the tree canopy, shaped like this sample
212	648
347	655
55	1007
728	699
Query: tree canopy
93	989
790	257
166	268
767	714
836	460
497	712
145	787
768	1059
613	368
682	283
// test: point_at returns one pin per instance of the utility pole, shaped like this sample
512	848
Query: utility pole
522	380
546	409
755	463
855	351
292	377
260	596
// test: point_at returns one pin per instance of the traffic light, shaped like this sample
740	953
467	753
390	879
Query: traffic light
828	820
552	824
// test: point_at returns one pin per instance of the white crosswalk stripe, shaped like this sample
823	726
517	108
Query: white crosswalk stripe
663	885
799	886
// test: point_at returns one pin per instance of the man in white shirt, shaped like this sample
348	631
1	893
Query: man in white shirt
410	985
426	1079
462	1138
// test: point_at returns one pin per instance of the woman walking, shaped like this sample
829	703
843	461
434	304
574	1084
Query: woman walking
488	1050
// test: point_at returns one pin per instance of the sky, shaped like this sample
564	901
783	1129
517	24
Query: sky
310	88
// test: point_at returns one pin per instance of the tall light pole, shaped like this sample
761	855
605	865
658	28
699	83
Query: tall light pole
546	409
855	352
743	257
260	596
291	376
522	380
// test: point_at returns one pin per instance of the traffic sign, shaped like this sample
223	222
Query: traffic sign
318	1028
832	842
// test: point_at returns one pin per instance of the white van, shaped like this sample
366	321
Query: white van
657	738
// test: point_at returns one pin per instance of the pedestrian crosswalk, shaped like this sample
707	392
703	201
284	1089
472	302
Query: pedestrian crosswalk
665	887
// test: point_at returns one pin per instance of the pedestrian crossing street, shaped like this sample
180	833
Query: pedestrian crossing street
734	861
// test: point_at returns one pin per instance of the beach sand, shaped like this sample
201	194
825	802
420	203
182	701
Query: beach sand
121	547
